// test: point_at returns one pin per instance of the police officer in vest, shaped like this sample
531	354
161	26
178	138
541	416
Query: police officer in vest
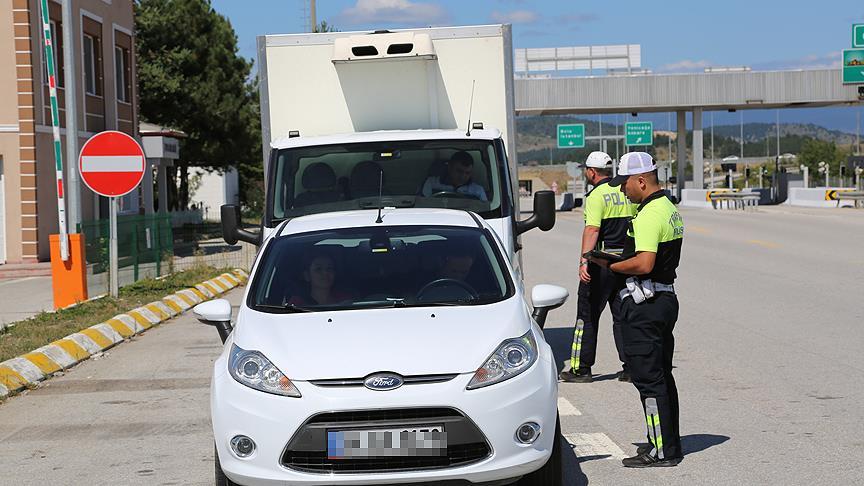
607	213
650	307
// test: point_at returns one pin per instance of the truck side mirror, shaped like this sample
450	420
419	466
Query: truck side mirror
544	213
231	230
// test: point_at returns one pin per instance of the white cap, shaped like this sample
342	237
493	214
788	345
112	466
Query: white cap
633	163
598	160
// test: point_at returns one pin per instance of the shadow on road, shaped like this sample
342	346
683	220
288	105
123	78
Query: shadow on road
573	474
560	339
694	443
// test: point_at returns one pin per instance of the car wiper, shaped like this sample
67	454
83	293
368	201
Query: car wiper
287	308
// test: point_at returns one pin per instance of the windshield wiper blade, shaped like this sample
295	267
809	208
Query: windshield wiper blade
287	308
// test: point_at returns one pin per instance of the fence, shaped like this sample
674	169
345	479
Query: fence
149	247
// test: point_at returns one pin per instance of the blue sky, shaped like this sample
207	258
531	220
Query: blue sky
676	35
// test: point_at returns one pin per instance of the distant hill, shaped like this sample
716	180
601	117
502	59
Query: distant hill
536	135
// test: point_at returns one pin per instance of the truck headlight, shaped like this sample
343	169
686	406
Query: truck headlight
511	358
254	370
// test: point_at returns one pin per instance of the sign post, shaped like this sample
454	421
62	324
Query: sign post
639	133
571	136
112	165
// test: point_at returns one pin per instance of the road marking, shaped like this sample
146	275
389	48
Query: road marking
698	229
594	445
565	408
765	244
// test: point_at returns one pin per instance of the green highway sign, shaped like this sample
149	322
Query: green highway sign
639	133
571	136
853	66
858	35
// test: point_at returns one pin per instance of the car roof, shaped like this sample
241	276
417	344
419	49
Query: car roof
390	217
385	136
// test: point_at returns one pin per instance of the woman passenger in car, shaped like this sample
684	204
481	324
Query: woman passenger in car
319	275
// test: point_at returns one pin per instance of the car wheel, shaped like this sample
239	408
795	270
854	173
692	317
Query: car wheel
221	478
550	474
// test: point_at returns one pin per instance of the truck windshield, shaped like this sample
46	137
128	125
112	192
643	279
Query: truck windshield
459	174
397	266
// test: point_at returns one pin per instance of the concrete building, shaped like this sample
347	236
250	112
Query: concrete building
106	100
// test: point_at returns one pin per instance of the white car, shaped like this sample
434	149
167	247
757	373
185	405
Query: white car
385	350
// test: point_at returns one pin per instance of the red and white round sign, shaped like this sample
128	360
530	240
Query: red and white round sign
111	163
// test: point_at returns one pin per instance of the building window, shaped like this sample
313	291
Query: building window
92	65
57	44
121	74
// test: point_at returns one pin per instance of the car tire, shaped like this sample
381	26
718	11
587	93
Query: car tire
221	478
551	472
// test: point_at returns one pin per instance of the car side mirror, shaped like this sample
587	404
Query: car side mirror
544	213
216	313
231	231
544	298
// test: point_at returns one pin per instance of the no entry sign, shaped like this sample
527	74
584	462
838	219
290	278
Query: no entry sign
111	163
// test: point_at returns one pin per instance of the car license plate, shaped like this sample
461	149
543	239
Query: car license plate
423	440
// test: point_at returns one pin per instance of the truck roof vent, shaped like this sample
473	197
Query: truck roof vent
383	46
400	48
361	51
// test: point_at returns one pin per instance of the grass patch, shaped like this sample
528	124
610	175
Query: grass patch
46	327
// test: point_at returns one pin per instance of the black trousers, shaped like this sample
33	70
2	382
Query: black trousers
592	299
649	346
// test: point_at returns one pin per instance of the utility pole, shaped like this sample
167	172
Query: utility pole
70	80
742	136
312	18
778	133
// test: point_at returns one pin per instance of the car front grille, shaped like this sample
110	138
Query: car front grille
307	450
407	380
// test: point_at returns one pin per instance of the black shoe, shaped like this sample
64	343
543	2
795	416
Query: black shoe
582	375
644	449
624	376
647	460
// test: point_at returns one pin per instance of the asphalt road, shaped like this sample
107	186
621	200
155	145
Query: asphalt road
768	356
768	350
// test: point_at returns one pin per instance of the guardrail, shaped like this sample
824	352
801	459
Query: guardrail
735	200
856	196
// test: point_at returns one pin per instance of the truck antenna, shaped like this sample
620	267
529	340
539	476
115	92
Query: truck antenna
380	195
470	106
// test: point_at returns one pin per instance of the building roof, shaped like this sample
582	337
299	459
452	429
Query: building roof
153	130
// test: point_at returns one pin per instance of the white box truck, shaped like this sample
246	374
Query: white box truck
404	118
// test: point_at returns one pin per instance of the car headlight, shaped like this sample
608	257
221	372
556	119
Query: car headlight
254	370
511	358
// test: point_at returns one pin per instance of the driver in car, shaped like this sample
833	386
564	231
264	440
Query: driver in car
457	179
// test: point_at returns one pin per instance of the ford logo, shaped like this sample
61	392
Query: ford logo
383	382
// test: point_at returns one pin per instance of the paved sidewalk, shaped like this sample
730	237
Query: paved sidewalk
24	297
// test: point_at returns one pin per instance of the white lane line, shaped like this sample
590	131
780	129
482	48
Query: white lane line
566	408
597	445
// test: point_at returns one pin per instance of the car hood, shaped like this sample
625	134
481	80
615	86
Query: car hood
356	343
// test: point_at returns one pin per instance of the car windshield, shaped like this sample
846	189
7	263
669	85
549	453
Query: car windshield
400	266
459	174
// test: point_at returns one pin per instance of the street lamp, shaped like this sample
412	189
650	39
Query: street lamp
824	169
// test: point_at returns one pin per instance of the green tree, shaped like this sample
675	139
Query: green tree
191	77
814	151
323	26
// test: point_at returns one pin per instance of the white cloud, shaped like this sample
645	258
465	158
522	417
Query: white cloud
515	17
686	65
830	60
398	11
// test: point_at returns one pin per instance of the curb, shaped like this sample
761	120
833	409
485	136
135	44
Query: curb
38	365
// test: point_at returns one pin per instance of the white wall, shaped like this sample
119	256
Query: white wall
213	190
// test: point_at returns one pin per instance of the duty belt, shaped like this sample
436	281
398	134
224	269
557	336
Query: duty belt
642	290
